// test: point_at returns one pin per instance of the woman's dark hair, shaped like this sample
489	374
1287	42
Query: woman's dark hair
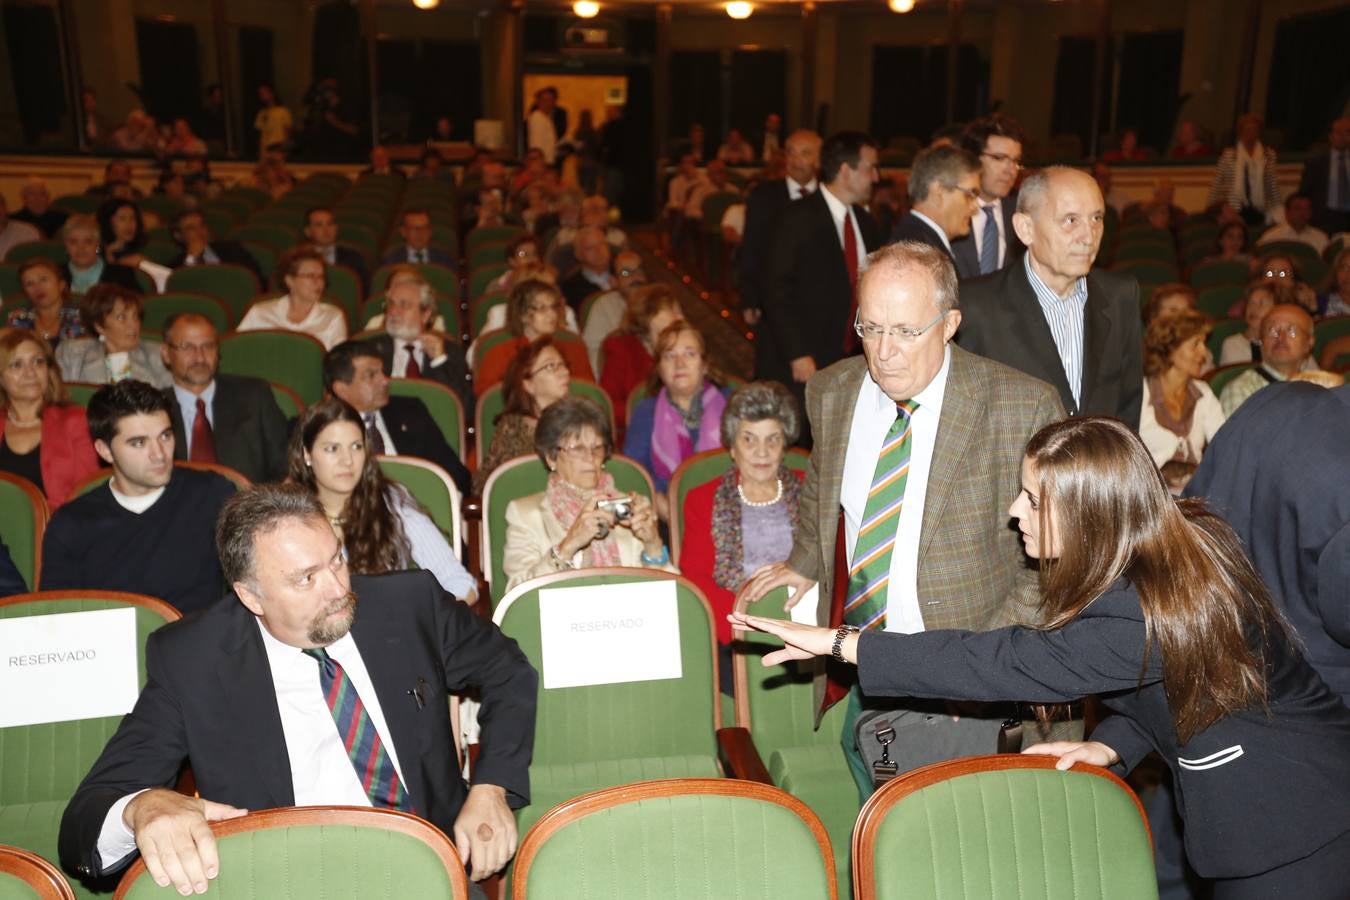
757	401
522	296
371	530
1206	610
1167	333
1218	238
518	400
101	299
107	235
566	418
51	265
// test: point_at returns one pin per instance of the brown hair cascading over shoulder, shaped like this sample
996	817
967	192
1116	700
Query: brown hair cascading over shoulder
371	530
1201	596
518	400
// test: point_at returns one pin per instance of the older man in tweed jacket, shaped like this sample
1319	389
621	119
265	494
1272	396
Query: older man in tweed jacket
957	561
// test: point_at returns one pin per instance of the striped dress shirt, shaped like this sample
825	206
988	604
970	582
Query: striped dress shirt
1064	315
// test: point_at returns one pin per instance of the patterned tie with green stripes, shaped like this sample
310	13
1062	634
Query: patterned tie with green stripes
870	572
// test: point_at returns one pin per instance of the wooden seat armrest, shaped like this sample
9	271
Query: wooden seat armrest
739	756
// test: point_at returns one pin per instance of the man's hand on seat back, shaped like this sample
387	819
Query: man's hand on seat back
175	839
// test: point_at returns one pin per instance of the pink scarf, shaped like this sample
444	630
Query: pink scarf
671	443
566	501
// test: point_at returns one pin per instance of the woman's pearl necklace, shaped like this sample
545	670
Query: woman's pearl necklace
748	502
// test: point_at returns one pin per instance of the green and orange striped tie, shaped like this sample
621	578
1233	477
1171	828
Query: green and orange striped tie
870	573
374	767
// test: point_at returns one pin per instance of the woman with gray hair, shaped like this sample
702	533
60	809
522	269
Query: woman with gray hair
86	266
580	520
746	519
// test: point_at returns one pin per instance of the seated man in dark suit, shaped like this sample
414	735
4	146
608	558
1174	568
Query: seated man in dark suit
148	530
411	349
321	230
242	426
1051	314
200	249
944	191
354	371
416	248
240	693
1326	179
592	274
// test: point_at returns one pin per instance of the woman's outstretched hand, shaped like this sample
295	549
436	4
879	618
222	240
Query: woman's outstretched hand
799	641
1094	753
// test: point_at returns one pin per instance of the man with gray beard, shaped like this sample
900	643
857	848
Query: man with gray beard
411	348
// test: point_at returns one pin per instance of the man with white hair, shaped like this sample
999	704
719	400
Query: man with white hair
411	348
37	208
1054	317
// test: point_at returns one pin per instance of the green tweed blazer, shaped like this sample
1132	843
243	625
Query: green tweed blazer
973	573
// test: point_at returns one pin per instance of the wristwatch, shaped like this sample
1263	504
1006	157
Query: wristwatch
837	651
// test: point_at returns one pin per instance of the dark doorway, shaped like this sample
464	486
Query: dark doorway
33	42
1150	73
171	72
758	87
420	81
1308	84
256	68
696	96
909	90
1072	109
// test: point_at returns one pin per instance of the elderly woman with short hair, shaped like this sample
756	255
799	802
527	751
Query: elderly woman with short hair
746	519
1180	412
114	314
570	525
534	310
87	267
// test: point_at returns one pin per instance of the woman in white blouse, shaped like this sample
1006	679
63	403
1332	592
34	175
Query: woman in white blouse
301	309
382	528
1180	413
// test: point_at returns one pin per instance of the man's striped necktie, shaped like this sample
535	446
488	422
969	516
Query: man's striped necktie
374	767
870	573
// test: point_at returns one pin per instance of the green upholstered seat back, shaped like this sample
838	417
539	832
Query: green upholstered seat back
682	847
286	357
493	401
446	409
491	234
1218	378
23	514
158	308
234	285
1020	834
431	487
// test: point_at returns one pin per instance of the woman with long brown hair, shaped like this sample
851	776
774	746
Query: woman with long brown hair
381	526
1150	604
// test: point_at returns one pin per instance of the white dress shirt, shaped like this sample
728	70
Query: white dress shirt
837	211
977	231
399	364
321	771
873	415
383	428
796	191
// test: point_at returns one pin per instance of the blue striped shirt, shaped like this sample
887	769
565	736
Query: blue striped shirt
1064	315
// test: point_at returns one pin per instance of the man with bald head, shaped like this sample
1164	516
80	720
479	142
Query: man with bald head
1286	350
763	208
1050	314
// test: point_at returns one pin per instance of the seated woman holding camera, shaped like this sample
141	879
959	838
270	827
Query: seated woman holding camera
579	521
381	526
734	525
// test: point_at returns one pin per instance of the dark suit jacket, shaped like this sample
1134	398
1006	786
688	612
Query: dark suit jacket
1315	181
1277	472
806	308
249	429
346	256
1002	319
1288	762
435	255
763	208
113	273
415	434
912	228
453	373
209	699
966	253
231	252
575	288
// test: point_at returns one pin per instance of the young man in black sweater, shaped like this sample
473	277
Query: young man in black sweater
151	528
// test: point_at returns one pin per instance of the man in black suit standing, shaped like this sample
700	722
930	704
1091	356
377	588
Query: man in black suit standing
818	250
199	249
1326	179
321	230
763	208
354	371
229	419
410	347
239	694
1052	315
993	242
944	189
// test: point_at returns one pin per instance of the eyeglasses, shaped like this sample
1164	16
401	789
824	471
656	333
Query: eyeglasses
582	451
971	194
1278	273
1004	159
1274	332
871	332
542	307
628	273
558	365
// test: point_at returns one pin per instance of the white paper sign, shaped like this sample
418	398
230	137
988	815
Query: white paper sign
609	634
67	666
804	613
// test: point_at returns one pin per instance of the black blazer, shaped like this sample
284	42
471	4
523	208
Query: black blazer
1256	789
415	434
912	228
763	208
435	256
352	259
806	306
250	431
1315	181
209	699
1277	472
1002	319
231	252
113	273
967	254
453	373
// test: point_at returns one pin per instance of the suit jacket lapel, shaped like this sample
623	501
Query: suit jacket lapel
387	665
837	402
1096	333
246	682
963	409
829	236
1028	322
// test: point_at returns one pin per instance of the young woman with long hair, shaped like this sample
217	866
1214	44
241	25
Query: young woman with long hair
1150	604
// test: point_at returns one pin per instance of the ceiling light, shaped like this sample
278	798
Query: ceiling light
901	6
586	9
739	9
426	4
